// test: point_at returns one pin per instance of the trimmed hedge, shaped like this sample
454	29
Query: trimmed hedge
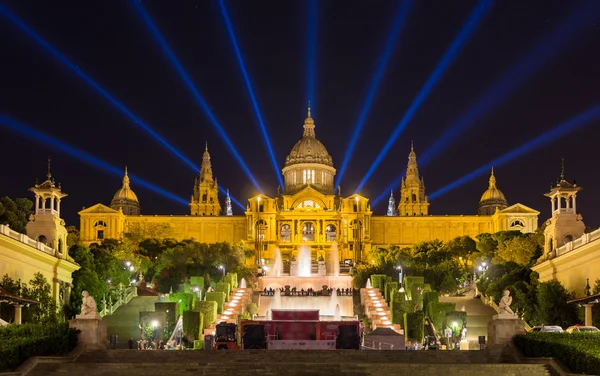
208	310
193	324
185	300
437	313
398	307
232	279
378	281
414	324
219	297
578	351
19	342
225	288
197	281
390	287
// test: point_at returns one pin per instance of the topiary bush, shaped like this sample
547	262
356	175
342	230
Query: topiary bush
185	300
225	288
378	281
208	310
197	281
232	279
193	324
414	329
390	288
219	297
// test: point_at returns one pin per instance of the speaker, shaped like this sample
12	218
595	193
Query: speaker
254	337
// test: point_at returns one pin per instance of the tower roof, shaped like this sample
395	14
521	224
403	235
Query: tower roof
492	193
309	149
125	193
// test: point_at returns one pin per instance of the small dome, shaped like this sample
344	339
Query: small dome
492	193
309	149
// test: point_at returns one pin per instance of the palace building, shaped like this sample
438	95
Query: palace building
308	210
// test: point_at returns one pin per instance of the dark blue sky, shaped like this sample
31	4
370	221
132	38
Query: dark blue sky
108	41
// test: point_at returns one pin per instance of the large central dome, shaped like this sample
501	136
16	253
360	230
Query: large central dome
309	163
309	149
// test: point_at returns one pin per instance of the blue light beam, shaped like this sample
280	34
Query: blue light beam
580	120
259	117
463	36
383	61
46	45
517	75
311	66
43	138
190	85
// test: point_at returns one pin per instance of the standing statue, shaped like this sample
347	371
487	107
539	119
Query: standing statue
88	306
505	303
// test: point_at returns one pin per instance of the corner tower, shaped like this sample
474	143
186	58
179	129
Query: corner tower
565	225
205	198
492	199
309	163
125	199
46	226
412	190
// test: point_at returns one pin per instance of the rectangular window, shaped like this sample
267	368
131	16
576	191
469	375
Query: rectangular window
100	234
304	180
312	179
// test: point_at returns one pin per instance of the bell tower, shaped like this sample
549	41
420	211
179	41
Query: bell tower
412	190
205	198
566	224
45	225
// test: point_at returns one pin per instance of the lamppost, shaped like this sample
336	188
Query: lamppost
223	269
482	268
399	268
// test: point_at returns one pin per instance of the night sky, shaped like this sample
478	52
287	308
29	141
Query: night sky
109	41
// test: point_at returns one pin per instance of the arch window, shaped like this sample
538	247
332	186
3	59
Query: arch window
60	246
261	226
42	239
308	232
331	233
568	238
308	204
204	197
286	233
550	245
100	223
517	223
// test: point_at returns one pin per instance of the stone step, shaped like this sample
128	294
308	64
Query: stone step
292	369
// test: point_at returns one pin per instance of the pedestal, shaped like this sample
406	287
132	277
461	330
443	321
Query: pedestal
503	328
92	329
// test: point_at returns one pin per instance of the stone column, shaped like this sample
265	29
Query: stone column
18	313
588	314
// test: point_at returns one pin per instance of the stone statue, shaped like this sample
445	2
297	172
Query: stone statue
88	306
505	303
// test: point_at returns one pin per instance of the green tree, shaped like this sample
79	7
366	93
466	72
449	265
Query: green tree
552	306
519	249
39	289
73	236
15	213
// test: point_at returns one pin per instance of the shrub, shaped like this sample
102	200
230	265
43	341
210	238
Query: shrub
208	310
437	313
378	281
579	351
218	297
414	326
398	307
17	343
197	281
225	288
390	287
232	279
185	300
193	324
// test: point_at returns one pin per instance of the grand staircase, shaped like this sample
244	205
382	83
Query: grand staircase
377	309
281	362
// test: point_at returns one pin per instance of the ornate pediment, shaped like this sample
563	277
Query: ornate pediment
519	208
99	209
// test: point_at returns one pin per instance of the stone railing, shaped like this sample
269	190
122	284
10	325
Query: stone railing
124	297
5	230
490	302
581	241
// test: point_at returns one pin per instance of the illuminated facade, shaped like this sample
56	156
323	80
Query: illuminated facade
310	210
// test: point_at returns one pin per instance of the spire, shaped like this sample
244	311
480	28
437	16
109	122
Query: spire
391	210
562	169
126	181
309	125
492	180
206	169
49	175
228	209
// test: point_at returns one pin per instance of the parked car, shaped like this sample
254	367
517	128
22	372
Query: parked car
582	329
547	329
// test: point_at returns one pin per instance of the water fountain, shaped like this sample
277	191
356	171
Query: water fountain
369	283
243	283
337	315
277	269
304	261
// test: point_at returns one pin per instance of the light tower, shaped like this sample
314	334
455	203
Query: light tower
391	210
228	208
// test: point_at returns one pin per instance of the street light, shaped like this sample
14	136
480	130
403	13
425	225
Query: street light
399	268
223	269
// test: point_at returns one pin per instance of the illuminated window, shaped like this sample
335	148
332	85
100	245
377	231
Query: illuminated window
330	233
517	223
308	232
304	180
309	204
286	233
